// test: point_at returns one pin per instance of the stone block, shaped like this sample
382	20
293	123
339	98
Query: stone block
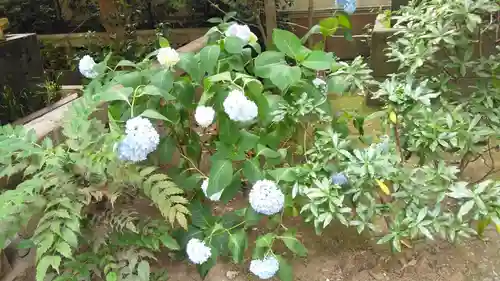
21	71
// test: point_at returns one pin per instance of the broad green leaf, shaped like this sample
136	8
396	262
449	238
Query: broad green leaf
265	241
70	237
289	43
224	76
164	80
251	170
252	217
266	61
191	64
128	79
117	93
318	60
152	90
238	242
221	175
232	189
285	272
233	45
143	270
266	152
169	242
25	244
111	276
291	242
163	42
209	57
329	26
126	63
283	174
43	265
285	76
153	114
336	85
344	19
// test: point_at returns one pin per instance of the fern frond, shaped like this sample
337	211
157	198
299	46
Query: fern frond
57	234
165	194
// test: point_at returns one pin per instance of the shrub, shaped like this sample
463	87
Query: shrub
263	122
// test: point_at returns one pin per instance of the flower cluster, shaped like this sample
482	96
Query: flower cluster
204	115
197	251
213	197
266	197
168	57
349	6
339	179
86	67
241	31
383	145
140	140
239	108
265	268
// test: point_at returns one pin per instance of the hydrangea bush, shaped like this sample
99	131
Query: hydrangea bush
246	138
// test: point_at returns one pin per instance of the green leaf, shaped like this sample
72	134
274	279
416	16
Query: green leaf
336	85
169	242
265	241
164	80
190	63
466	208
252	217
283	174
224	76
126	63
43	265
209	57
344	19
153	114
205	267
251	170
152	90
233	45
111	276
64	249
285	76
285	272
329	26
116	93
318	60
291	242
25	244
221	175
266	152
238	242
128	79
266	61
232	189
288	43
163	42
348	35
70	237
143	270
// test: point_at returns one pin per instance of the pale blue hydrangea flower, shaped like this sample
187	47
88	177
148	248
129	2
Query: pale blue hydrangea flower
141	139
349	6
266	197
197	251
339	179
265	268
383	146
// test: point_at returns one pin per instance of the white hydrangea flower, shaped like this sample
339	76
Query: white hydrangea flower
204	115
86	67
168	57
265	268
239	108
197	251
215	196
141	139
266	197
241	31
